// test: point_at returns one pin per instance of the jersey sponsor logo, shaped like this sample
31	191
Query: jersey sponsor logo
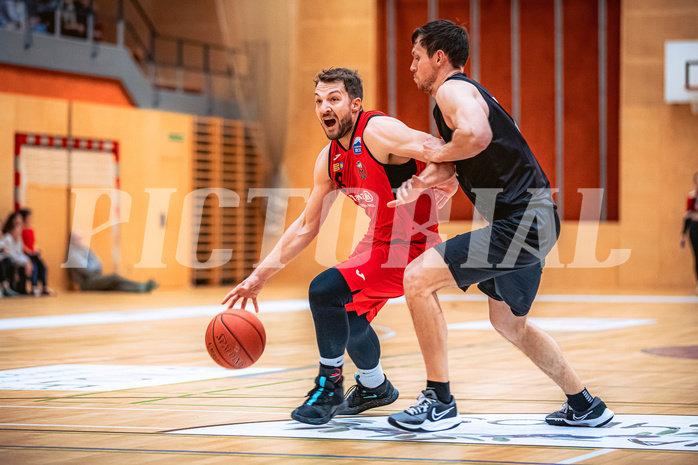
337	166
362	170
364	196
360	275
337	156
356	145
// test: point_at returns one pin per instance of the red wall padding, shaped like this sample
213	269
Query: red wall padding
581	71
537	49
538	81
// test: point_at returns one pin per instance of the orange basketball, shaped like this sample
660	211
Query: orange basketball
235	339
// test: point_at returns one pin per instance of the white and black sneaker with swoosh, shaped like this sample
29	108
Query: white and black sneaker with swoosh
428	414
596	415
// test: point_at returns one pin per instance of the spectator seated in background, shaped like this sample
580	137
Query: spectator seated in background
85	270
40	271
14	249
7	271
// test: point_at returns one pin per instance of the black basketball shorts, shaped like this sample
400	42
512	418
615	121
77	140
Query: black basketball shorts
506	258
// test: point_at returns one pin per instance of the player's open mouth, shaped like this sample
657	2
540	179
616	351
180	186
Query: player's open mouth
329	122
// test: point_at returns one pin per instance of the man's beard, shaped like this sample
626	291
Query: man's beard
427	84
343	127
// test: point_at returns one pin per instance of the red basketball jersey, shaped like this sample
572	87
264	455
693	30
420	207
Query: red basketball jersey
370	185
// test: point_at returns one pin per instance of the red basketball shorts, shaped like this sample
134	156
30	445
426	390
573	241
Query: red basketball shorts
374	273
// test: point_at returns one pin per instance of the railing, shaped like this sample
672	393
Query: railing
175	64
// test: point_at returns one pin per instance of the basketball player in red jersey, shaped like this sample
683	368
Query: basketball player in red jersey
369	155
690	225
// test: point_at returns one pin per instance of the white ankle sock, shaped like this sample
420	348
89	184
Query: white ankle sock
332	362
372	378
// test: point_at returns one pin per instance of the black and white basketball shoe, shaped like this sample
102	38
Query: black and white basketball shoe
596	415
428	414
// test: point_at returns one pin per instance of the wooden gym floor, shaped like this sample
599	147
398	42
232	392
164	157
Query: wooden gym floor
92	386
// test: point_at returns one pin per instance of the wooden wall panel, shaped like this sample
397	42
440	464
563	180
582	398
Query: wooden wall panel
24	114
68	86
352	45
150	158
35	115
658	153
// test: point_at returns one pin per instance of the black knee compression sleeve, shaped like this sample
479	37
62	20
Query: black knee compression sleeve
328	294
363	347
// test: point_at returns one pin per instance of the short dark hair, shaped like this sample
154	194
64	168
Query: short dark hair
25	212
447	36
350	78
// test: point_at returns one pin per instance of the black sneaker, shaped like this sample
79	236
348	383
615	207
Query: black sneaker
361	398
324	400
428	414
596	415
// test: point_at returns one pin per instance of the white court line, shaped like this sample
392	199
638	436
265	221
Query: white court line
581	298
590	455
95	378
620	299
228	409
563	324
276	306
86	426
130	316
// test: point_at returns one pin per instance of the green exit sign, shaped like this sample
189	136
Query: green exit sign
175	137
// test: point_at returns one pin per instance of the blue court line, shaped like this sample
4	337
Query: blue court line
264	454
276	306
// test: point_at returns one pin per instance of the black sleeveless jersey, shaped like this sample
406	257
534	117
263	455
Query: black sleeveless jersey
506	165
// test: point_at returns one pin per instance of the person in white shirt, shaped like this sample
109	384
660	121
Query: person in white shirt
14	250
85	270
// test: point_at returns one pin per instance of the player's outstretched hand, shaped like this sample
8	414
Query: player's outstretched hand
246	290
443	192
408	192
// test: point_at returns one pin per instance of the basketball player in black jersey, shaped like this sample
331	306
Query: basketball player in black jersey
500	175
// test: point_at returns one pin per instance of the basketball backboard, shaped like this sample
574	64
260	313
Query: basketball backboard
681	73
